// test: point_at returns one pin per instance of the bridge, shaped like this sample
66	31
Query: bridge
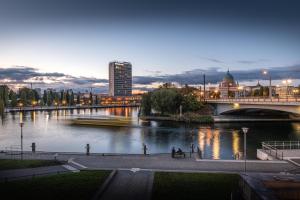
234	105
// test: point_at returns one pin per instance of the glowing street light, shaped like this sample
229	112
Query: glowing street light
265	72
245	131
287	82
21	125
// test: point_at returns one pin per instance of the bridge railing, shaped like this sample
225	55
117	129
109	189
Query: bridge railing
257	99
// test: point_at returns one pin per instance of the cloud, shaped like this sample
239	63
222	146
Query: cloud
21	73
213	60
215	75
25	75
252	61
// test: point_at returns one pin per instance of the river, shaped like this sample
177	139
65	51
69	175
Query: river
51	131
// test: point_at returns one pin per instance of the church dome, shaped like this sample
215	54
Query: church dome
228	78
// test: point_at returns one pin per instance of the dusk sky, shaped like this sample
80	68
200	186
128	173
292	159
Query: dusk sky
162	39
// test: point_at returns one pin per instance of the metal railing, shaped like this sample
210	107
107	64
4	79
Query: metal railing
275	148
256	99
282	145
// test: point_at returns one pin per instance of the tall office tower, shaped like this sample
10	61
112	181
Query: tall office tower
120	79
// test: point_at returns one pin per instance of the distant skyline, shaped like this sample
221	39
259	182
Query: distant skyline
162	39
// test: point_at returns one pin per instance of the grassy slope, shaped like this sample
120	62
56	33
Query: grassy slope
73	186
193	186
18	164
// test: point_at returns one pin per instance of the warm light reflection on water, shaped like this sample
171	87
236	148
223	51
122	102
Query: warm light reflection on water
235	142
208	136
51	132
216	144
201	139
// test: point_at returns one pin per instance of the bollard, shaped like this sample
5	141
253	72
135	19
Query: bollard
87	147
192	147
33	147
145	149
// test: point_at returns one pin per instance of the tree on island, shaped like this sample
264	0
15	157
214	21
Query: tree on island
1	107
167	99
72	102
146	104
13	98
78	98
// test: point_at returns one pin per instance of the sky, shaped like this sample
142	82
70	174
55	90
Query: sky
71	42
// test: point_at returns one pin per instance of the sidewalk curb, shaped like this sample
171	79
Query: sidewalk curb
104	186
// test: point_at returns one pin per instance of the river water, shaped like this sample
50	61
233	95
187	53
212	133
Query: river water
51	131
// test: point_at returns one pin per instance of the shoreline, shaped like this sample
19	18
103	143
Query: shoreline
52	108
216	119
204	119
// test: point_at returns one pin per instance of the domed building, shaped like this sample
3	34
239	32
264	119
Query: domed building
228	87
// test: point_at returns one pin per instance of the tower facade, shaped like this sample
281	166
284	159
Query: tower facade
120	79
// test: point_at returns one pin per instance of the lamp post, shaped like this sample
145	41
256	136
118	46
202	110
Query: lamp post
204	86
265	72
21	125
245	130
241	89
287	82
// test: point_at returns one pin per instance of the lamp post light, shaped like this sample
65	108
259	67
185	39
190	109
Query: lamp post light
21	125
204	87
241	89
245	130
287	82
265	72
20	106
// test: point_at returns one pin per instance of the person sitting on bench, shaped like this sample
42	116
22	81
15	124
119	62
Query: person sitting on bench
179	151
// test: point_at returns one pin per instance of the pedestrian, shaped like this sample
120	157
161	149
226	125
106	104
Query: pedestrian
173	152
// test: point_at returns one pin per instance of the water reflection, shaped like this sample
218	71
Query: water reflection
51	132
235	142
216	144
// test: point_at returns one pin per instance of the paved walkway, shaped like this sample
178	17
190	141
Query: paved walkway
163	162
128	185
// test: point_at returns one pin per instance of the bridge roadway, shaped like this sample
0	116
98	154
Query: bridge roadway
230	105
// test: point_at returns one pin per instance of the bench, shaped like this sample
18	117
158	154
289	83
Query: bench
178	155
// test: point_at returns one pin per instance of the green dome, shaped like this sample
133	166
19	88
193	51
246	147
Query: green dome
228	78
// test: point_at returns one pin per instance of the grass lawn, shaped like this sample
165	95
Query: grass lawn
19	164
74	186
193	186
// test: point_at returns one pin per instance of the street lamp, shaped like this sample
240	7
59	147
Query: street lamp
245	130
20	105
287	82
241	89
21	125
265	72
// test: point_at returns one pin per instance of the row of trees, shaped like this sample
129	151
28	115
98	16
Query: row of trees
168	99
30	97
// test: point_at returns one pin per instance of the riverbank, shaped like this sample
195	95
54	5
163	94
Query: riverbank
205	119
51	108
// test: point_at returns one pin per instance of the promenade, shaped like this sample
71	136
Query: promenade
160	162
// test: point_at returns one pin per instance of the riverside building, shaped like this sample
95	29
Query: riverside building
120	79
